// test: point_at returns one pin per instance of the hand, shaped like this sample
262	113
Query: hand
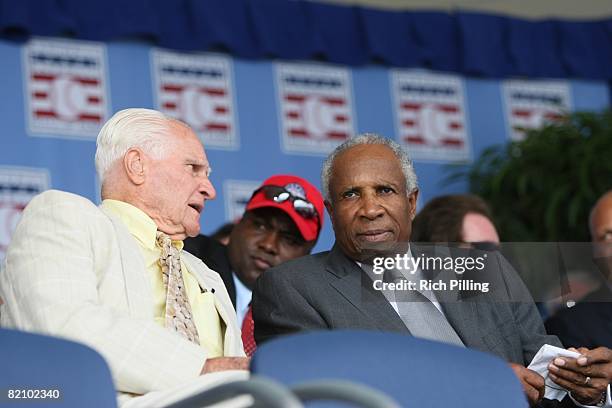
533	383
585	377
225	363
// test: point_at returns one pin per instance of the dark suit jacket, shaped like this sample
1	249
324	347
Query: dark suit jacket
588	323
330	291
214	255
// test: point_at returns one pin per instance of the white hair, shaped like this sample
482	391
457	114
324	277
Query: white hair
135	127
373	139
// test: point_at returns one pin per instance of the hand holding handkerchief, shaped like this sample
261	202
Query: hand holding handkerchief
540	363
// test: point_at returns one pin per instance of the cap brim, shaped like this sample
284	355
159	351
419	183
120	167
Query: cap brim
308	229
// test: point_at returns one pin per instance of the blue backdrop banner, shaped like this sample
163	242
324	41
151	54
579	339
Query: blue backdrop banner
256	118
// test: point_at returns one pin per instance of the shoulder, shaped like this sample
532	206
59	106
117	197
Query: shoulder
306	268
55	204
202	246
57	197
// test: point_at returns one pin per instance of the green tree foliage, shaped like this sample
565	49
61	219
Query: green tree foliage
542	188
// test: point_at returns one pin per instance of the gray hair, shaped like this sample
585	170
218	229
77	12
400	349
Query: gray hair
135	127
373	139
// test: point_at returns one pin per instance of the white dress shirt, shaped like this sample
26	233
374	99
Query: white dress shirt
243	299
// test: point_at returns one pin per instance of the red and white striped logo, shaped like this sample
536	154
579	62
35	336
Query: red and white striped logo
17	187
532	104
197	89
430	116
315	107
65	87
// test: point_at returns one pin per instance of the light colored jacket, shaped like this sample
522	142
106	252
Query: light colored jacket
75	271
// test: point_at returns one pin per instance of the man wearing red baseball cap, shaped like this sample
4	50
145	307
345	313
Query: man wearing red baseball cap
282	221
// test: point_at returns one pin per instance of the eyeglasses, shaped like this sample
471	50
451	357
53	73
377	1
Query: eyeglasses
279	194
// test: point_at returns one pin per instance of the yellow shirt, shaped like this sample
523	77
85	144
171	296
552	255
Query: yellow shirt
211	328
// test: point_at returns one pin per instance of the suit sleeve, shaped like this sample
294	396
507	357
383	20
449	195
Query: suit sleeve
529	322
51	284
281	307
526	315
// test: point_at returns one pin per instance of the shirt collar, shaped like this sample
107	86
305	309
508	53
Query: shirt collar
140	225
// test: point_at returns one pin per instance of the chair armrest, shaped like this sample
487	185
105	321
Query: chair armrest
265	393
342	390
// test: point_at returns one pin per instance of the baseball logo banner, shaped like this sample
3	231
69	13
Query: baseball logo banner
65	86
17	187
315	107
197	89
532	104
430	116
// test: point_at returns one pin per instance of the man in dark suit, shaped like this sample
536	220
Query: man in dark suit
282	221
370	193
589	322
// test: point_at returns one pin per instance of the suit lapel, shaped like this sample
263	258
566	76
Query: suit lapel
463	317
137	284
346	277
223	305
227	276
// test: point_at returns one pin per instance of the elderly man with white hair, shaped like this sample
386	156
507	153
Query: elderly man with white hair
115	276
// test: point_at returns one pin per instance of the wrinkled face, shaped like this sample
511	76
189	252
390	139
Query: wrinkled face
601	235
263	238
178	185
369	205
478	228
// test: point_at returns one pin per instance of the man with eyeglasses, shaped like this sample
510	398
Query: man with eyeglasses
370	191
282	221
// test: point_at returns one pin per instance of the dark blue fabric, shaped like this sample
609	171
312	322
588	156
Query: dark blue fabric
467	43
484	41
534	49
587	49
285	29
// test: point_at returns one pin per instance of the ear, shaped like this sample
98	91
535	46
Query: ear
134	165
330	211
412	199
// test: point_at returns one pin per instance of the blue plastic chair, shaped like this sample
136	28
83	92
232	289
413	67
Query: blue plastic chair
415	372
31	363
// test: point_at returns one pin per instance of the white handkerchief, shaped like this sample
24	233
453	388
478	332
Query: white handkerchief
540	363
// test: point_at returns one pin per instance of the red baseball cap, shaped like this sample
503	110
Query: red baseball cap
298	188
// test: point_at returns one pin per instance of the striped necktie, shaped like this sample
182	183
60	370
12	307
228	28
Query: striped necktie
419	314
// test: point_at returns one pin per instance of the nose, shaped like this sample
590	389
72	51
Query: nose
269	242
370	207
207	189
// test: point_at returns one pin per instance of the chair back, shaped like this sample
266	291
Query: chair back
52	372
415	372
